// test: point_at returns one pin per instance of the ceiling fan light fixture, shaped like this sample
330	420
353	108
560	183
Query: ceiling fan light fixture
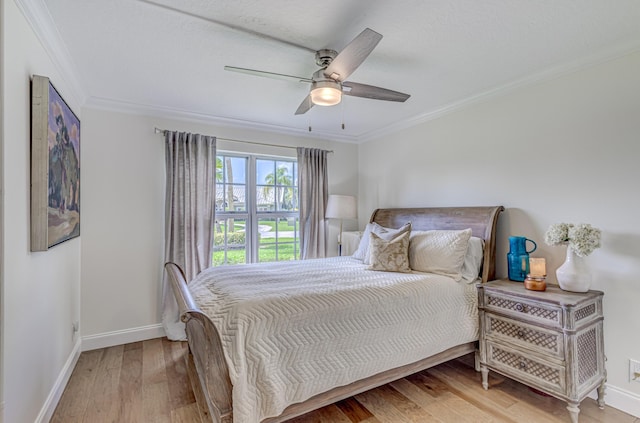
326	93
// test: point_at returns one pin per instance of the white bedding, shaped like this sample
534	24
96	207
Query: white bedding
291	330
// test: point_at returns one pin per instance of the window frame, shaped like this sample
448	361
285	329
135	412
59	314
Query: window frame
251	214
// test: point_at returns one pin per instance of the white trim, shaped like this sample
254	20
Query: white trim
46	412
38	16
119	106
2	244
42	24
119	337
620	399
545	75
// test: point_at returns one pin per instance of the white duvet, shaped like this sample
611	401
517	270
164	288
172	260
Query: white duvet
291	330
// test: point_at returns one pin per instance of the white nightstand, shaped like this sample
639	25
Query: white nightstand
550	340
350	242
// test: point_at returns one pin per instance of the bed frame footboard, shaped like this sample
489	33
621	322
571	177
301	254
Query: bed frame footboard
205	359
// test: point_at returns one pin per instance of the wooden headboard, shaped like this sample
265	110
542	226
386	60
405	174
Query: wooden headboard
481	220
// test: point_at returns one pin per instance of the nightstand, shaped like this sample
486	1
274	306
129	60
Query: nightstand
549	340
350	242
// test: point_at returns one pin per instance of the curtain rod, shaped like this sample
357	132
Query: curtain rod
164	131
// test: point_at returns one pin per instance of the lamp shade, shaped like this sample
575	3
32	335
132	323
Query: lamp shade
341	207
326	94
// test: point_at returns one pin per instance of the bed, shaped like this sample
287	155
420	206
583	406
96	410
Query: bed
270	348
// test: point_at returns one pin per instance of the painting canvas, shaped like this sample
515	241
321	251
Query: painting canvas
55	167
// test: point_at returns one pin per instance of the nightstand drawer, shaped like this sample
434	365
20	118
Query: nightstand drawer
535	338
523	310
526	368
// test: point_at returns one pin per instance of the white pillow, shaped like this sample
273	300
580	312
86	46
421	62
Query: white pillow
439	251
473	259
363	246
389	255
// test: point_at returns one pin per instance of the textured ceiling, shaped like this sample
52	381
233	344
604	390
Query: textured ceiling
168	56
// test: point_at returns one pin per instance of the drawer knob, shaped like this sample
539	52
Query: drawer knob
520	333
519	307
523	365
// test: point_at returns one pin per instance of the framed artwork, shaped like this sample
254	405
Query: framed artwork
55	167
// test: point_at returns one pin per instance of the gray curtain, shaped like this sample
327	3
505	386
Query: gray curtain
189	214
312	186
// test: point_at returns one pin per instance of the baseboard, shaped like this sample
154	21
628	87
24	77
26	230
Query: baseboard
622	400
119	337
58	388
89	343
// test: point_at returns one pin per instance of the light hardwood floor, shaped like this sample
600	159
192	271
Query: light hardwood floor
147	382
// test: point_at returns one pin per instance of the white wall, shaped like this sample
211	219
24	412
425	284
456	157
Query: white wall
565	150
2	48
123	214
41	292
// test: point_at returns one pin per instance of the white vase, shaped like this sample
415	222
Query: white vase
574	274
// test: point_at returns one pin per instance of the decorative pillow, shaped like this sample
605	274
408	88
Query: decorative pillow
473	259
440	251
363	246
385	233
389	255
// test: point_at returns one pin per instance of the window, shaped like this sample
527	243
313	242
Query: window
257	217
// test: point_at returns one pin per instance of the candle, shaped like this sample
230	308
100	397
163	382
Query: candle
537	266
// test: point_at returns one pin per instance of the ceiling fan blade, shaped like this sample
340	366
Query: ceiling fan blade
268	74
352	55
304	106
369	91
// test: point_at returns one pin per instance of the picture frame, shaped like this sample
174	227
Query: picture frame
55	167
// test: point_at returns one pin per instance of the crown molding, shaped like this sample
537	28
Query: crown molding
37	15
185	115
608	55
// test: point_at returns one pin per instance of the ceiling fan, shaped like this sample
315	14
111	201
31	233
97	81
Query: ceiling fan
328	83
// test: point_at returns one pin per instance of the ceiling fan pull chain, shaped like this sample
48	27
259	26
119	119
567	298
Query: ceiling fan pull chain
342	111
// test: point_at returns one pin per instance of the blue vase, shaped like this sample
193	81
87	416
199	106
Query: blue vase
518	257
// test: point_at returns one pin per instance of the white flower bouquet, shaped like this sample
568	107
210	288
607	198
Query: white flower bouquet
582	238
